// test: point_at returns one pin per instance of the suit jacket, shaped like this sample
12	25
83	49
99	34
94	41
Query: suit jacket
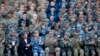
22	47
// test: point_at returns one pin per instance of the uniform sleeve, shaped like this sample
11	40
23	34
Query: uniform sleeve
32	42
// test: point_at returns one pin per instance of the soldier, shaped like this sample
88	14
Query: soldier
16	5
23	28
76	44
32	26
65	45
57	31
44	27
14	20
12	43
32	11
37	42
2	39
51	44
63	13
42	13
92	44
20	12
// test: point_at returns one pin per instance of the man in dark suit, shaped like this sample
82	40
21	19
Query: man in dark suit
24	45
23	19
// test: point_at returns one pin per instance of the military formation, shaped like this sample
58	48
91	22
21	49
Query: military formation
49	28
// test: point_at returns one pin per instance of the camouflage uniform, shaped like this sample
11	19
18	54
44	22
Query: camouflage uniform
76	45
65	46
89	46
2	39
31	14
42	15
51	46
12	43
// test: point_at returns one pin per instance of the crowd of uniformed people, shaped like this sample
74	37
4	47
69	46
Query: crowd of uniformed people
49	27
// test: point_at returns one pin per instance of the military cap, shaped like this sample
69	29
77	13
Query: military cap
56	24
95	24
23	22
51	30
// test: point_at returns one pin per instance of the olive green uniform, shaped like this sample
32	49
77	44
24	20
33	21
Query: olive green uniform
76	45
51	46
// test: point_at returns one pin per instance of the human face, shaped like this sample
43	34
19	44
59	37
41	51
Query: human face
24	16
32	7
61	19
22	8
51	18
52	9
36	34
52	3
95	27
56	27
66	37
51	33
86	29
81	19
3	7
73	20
16	4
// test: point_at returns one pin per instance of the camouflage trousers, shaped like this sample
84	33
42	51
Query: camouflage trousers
66	51
9	51
78	52
89	50
1	51
57	51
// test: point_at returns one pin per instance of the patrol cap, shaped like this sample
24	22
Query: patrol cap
51	30
56	24
76	32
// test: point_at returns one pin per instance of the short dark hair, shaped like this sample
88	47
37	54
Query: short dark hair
24	13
